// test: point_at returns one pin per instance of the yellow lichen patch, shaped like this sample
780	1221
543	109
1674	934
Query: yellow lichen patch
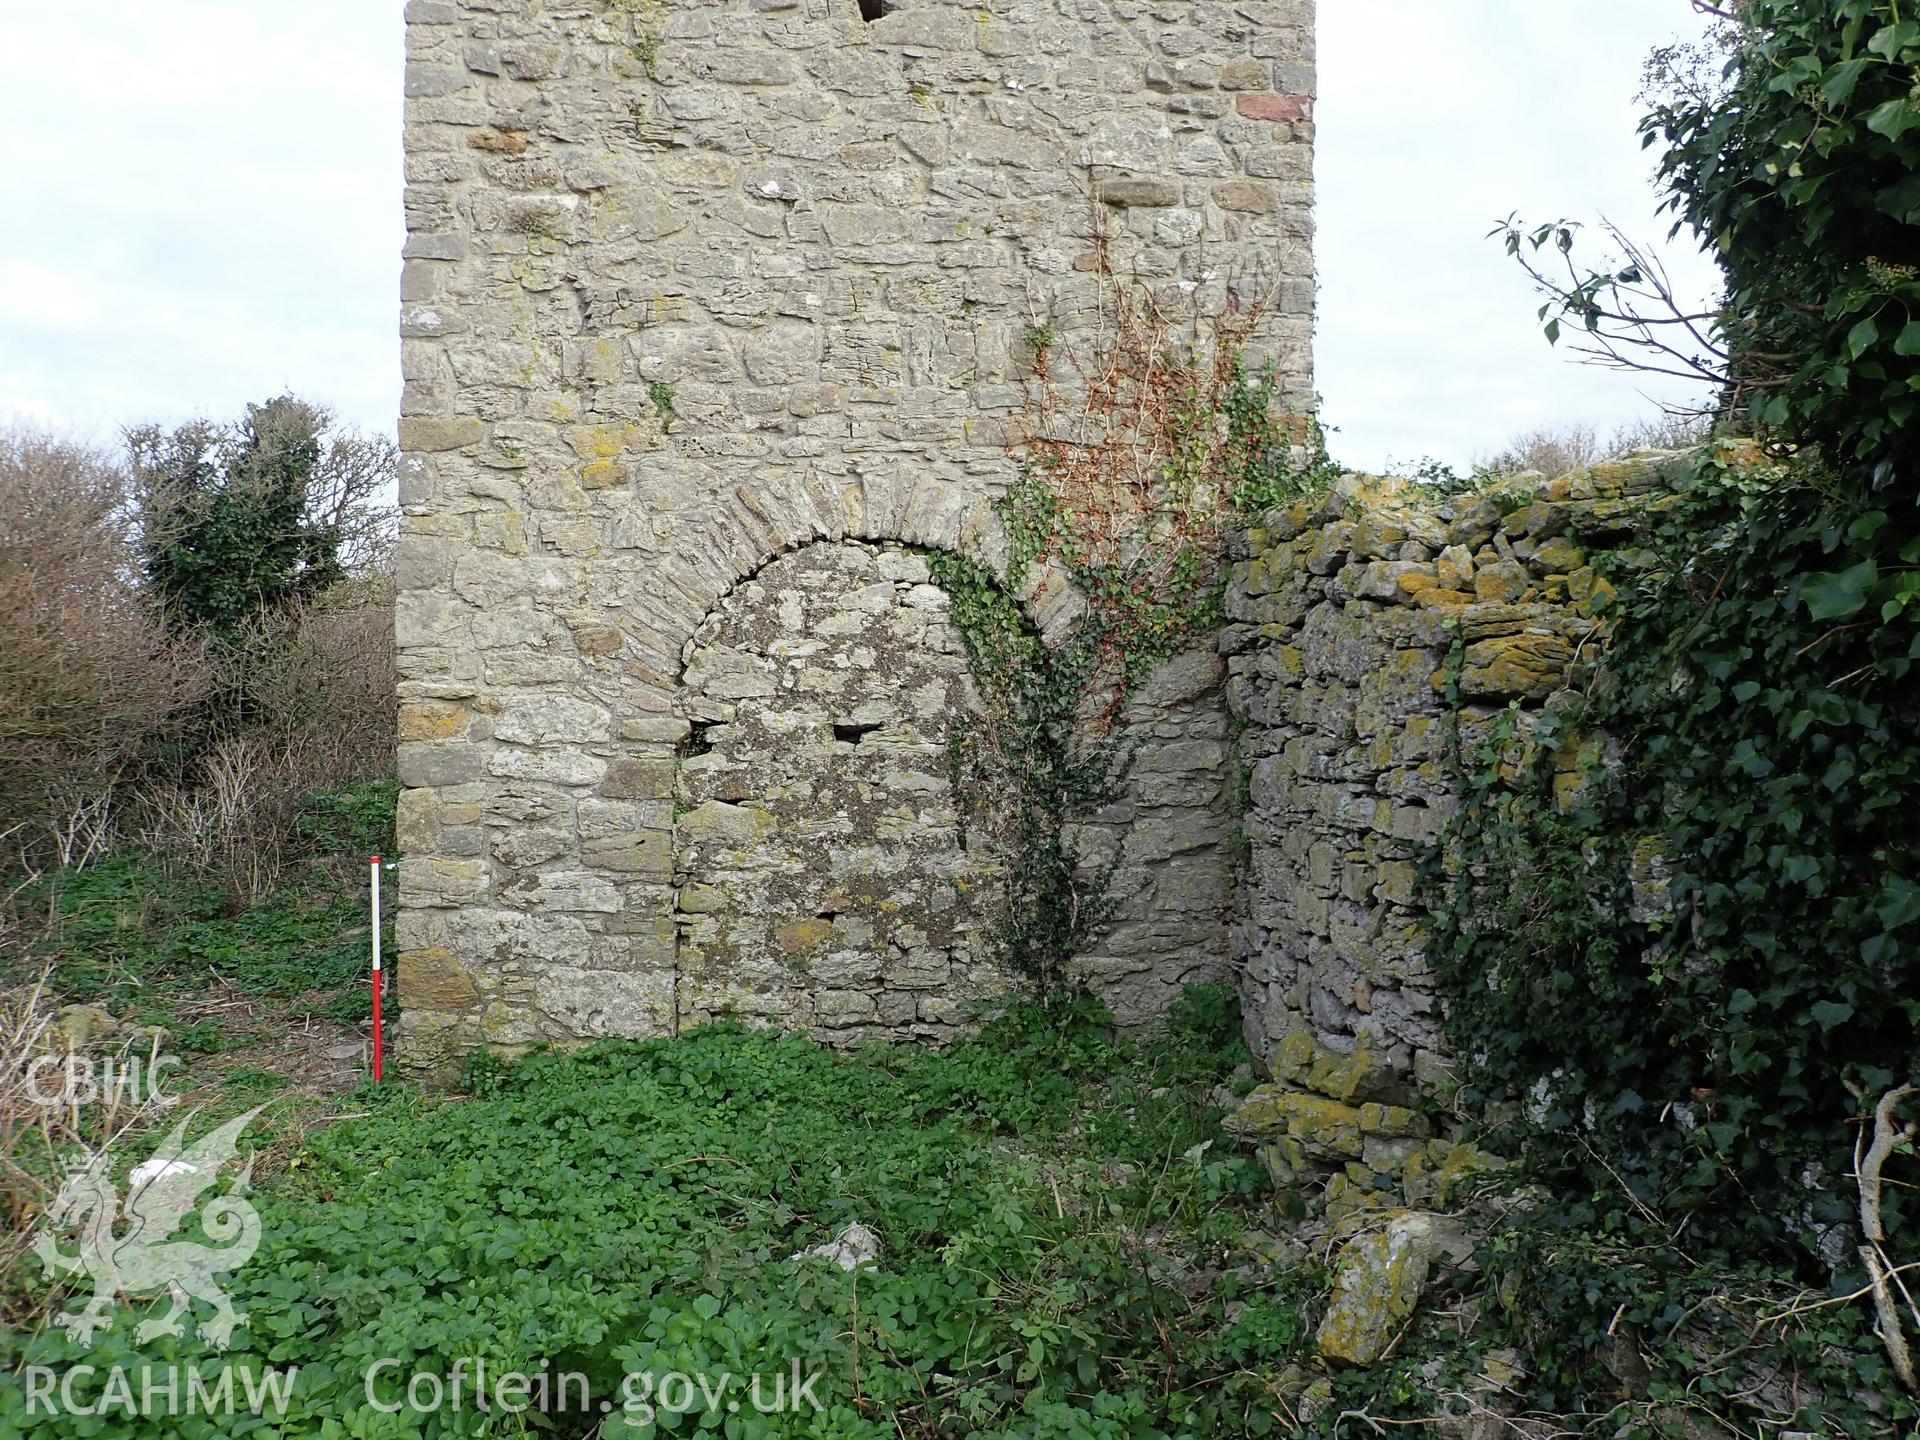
434	979
504	530
430	720
1437	1175
1317	1125
807	935
1559	556
1527	665
1390	1121
1591	592
603	474
602	442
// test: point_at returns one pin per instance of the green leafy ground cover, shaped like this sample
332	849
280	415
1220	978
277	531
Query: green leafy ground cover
138	931
1062	1240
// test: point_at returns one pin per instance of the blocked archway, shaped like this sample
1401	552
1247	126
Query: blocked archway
823	878
744	530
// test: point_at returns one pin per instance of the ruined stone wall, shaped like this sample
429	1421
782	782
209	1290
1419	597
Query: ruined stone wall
1343	613
691	286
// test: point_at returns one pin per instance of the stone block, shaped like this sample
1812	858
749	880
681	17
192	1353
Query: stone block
1130	193
1256	106
592	1003
638	779
422	435
1320	1127
1378	1281
434	980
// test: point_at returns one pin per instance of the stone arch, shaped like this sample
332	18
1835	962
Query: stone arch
750	527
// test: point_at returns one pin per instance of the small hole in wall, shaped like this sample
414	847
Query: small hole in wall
853	734
874	9
699	740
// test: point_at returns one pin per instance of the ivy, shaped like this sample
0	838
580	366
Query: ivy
1677	982
1025	771
1801	168
244	520
1142	453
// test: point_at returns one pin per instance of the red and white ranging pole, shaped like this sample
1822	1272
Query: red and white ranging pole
378	1047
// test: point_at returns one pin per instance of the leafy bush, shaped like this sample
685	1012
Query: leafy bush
239	521
1802	169
1690	980
187	650
1626	1338
1683	979
353	821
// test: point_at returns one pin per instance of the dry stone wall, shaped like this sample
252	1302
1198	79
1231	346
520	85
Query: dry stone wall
1352	616
692	285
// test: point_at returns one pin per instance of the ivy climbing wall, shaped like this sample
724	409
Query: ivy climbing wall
690	286
1372	632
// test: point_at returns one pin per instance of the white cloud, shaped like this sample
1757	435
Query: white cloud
1434	124
202	208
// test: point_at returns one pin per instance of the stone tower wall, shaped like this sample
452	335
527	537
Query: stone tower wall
691	287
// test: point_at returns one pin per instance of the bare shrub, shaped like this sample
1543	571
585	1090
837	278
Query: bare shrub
1548	449
1555	450
43	1114
316	688
326	686
1681	431
88	675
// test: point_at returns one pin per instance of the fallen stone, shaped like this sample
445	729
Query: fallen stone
80	1025
1378	1280
852	1249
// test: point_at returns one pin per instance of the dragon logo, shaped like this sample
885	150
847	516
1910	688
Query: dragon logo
144	1259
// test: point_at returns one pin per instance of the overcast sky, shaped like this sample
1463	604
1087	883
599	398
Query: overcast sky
202	207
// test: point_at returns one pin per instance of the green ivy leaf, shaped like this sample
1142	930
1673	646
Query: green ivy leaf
1829	1013
1899	903
1842	80
1840	594
1894	118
